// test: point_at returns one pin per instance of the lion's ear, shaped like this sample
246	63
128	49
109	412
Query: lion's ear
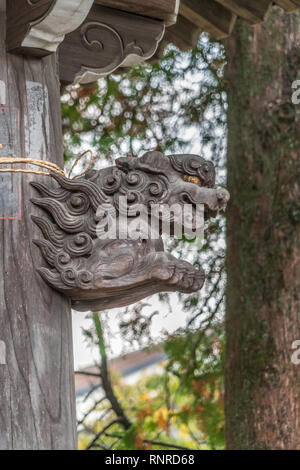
150	162
156	162
126	163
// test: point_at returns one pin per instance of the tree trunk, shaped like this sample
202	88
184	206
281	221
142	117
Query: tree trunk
263	262
37	403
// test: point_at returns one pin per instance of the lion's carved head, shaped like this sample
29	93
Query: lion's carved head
99	273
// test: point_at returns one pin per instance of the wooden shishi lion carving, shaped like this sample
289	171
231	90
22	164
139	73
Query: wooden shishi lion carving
99	273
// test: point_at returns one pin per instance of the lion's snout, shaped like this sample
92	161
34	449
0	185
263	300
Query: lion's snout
223	197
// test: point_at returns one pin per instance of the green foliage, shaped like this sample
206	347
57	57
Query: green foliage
197	360
180	404
151	106
176	104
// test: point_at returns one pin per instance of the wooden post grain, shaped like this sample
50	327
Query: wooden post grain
37	400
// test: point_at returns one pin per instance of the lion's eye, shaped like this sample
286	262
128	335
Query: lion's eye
192	179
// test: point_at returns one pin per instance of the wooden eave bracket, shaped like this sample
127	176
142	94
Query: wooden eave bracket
37	27
106	40
92	39
96	37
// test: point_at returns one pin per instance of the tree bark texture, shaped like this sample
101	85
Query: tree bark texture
263	261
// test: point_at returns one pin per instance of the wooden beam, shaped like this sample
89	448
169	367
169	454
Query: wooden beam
184	34
165	10
106	40
253	11
36	370
38	27
289	5
208	15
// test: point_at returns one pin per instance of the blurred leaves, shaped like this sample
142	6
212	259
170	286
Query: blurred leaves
176	104
179	406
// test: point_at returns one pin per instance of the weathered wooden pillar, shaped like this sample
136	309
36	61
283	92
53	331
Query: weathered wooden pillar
37	400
